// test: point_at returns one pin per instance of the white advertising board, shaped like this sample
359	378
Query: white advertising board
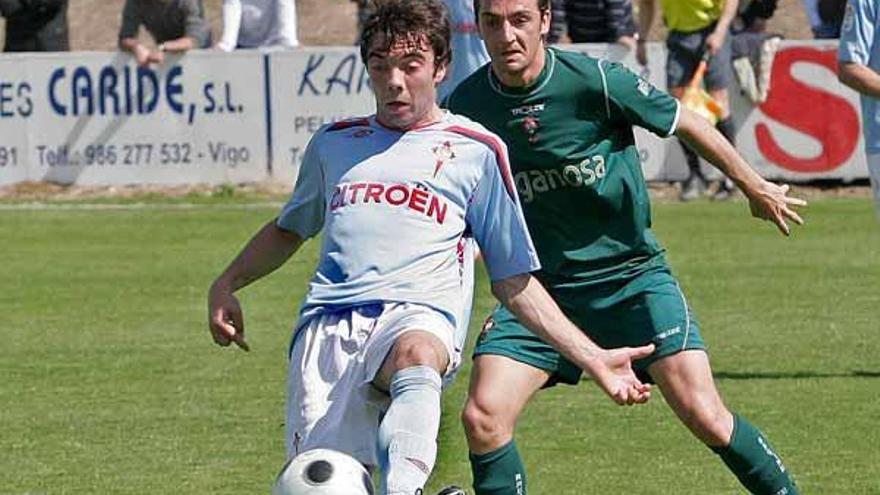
309	88
210	117
96	118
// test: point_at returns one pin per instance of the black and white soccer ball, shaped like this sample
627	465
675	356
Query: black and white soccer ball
323	472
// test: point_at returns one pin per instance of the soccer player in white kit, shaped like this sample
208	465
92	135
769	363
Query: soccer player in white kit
396	194
859	68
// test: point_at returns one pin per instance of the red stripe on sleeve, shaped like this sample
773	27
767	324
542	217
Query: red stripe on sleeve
494	143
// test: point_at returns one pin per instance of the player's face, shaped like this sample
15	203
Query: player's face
514	33
404	79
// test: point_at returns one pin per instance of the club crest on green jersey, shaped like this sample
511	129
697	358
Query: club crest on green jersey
531	125
530	122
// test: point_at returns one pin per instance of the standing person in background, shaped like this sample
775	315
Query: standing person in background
825	17
831	12
258	23
753	49
695	27
176	25
35	25
601	21
557	21
363	11
468	50
859	68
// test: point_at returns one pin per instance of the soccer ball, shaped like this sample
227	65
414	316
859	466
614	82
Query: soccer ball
323	472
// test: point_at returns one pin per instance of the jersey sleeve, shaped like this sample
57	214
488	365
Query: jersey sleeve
857	32
304	211
496	220
633	100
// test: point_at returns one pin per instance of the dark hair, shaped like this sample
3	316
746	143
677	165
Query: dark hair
397	20
542	6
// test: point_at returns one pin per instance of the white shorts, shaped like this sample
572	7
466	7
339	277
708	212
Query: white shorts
331	402
874	172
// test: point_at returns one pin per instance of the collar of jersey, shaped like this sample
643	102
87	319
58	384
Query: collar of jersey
374	122
539	83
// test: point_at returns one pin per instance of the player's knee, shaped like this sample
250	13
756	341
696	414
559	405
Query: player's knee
417	351
485	428
712	425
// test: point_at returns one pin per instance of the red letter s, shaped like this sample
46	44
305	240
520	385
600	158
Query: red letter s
823	115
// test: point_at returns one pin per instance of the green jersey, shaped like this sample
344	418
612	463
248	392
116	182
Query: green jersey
575	162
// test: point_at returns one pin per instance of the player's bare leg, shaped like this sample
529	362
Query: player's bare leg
686	381
499	391
411	374
687	385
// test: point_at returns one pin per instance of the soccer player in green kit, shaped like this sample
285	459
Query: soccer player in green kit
568	122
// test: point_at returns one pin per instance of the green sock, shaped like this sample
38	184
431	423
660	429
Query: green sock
753	461
500	472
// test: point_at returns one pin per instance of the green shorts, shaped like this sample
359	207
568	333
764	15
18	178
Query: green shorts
647	308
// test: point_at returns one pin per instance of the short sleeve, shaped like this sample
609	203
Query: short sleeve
130	21
304	211
633	100
496	220
857	32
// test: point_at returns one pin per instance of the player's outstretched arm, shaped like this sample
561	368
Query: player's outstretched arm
860	78
767	200
266	251
610	368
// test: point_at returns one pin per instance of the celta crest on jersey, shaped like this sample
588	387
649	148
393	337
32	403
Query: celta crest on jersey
444	153
415	198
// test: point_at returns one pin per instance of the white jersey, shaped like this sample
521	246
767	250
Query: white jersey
858	44
468	51
395	209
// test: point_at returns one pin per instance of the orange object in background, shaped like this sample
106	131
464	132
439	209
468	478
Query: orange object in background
698	100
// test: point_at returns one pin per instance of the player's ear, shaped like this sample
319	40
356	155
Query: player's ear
440	69
545	22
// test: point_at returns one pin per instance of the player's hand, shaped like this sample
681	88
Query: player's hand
141	55
771	202
628	42
225	319
614	374
156	57
714	42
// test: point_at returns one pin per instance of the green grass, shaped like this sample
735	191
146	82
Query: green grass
109	382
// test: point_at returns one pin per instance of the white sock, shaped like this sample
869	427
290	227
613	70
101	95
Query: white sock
408	432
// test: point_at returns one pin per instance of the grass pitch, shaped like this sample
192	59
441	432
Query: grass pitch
111	384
